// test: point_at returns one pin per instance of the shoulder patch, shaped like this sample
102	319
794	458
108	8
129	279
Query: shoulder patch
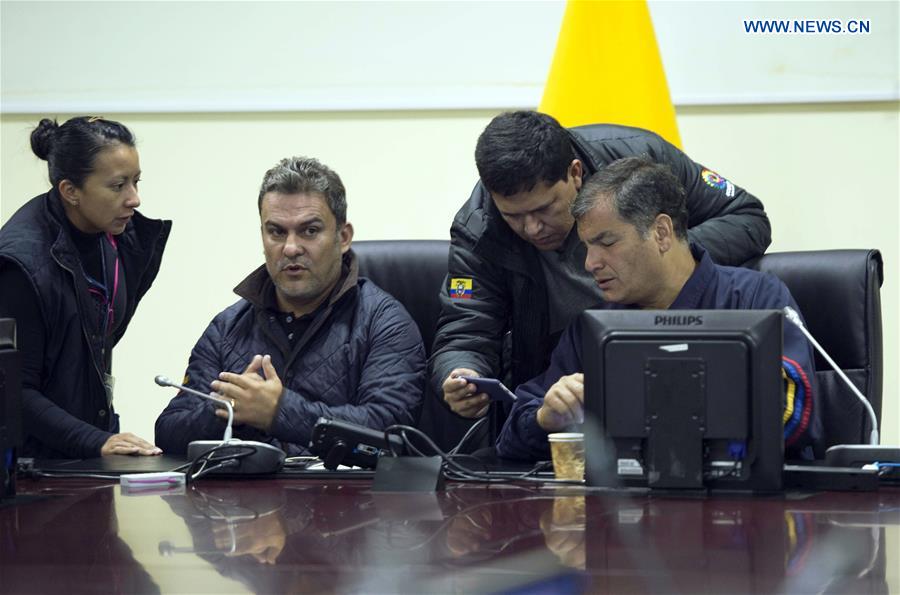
714	180
460	288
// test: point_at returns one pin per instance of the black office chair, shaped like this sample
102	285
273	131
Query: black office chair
413	271
839	294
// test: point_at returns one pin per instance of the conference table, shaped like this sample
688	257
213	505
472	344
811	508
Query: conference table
297	535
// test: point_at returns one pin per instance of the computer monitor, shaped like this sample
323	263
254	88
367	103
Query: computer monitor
10	406
683	399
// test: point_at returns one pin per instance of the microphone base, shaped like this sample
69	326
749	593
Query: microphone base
264	459
857	455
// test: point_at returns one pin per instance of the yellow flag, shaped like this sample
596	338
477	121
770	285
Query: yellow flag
607	69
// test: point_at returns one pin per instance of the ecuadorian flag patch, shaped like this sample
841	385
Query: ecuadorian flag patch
461	289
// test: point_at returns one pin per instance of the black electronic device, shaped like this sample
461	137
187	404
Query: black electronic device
409	474
10	407
859	455
688	399
493	388
832	478
342	443
110	465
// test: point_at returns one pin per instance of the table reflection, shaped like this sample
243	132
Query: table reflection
302	536
337	538
327	537
564	527
736	544
231	523
67	535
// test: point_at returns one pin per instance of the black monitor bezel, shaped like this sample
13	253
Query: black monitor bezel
759	330
10	406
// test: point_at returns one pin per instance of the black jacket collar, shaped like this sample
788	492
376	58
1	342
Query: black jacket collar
258	288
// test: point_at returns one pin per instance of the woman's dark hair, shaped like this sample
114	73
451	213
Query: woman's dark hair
70	149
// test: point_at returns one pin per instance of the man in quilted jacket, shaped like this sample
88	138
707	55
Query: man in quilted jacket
308	338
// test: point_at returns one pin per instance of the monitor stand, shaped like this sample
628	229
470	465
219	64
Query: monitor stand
675	405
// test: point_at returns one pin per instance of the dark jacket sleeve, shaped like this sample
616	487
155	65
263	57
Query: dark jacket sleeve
803	432
724	218
188	417
41	417
522	438
390	387
469	330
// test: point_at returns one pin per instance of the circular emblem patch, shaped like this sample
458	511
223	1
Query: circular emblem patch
713	179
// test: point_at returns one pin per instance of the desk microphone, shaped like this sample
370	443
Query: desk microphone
874	455
167	548
792	315
164	381
264	458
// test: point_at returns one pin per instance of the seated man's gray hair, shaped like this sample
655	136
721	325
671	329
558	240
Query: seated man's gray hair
639	189
305	175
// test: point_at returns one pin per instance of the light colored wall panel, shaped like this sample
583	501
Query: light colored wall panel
827	175
221	56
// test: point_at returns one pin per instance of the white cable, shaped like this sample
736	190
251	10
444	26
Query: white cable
792	316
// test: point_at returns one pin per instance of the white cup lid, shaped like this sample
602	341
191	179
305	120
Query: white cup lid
566	437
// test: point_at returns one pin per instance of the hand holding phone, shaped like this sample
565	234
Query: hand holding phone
493	388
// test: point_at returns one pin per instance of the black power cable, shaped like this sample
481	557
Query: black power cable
455	471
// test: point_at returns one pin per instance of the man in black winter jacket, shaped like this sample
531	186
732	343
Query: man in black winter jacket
308	339
516	270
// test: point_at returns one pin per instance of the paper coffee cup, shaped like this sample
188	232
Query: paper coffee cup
567	450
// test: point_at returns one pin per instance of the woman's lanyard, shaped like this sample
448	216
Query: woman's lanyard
101	290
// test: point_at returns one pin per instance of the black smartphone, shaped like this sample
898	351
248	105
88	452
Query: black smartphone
493	388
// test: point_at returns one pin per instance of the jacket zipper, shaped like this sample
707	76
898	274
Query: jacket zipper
78	301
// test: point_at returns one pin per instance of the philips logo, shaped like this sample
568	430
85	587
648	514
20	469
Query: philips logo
675	320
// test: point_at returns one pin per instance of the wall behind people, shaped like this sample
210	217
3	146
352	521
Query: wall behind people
827	174
320	55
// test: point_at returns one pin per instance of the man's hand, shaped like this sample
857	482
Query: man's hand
263	538
563	404
254	397
460	395
128	444
467	532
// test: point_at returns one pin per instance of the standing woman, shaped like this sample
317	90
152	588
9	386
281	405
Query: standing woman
74	262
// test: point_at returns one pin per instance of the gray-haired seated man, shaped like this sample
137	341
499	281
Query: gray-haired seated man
633	220
308	338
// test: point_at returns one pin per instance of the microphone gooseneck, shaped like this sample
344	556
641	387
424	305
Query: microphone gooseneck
792	315
164	381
